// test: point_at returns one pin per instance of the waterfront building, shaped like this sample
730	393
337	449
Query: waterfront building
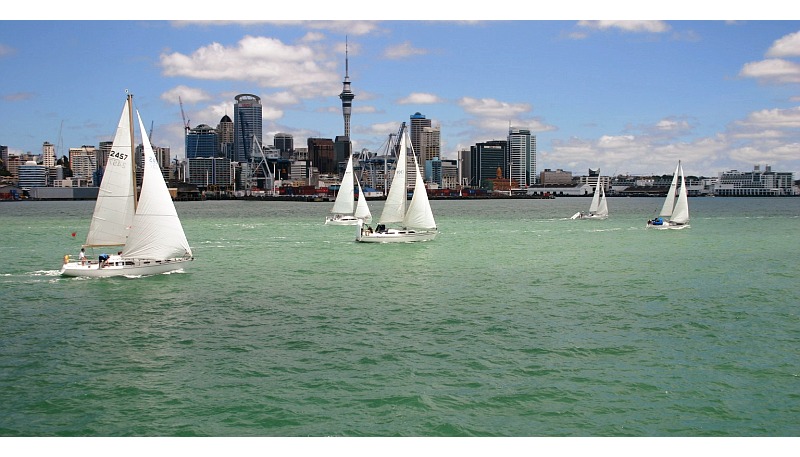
210	172
202	141
32	175
247	125
522	157
225	137
484	162
556	177
443	172
12	165
4	154
754	183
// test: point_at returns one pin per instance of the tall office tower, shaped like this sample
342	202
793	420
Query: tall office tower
521	157
247	125
418	123
346	96
225	137
321	154
430	148
284	142
4	154
48	154
488	161
201	141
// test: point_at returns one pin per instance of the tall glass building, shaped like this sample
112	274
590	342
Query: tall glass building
522	157
202	141
247	124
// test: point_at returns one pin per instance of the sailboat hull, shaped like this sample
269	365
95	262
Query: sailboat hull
343	220
668	226
124	267
395	235
590	216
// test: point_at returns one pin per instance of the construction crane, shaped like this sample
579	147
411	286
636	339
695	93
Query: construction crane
183	115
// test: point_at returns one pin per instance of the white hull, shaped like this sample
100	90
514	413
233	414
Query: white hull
668	226
343	220
397	236
589	216
124	267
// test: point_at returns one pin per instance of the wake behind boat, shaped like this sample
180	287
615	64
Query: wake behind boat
416	223
148	231
676	211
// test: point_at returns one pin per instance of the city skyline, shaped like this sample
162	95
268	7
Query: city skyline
625	97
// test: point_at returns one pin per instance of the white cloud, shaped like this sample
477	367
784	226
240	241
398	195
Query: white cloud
265	61
772	70
489	107
627	26
420	98
403	50
773	118
189	95
788	46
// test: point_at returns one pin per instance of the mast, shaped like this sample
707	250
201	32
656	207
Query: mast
133	147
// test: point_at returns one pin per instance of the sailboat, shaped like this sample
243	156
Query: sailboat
598	209
343	212
146	233
677	212
415	223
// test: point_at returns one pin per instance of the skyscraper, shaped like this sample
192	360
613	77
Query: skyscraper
418	123
225	137
201	141
346	96
430	148
521	157
284	142
247	125
48	154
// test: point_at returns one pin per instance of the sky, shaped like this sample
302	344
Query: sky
630	93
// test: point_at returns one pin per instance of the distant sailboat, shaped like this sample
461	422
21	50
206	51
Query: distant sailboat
416	223
598	209
149	231
343	212
677	212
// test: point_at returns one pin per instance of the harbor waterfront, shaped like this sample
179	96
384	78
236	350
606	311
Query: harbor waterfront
515	321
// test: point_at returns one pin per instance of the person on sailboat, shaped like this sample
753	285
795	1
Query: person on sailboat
82	256
102	259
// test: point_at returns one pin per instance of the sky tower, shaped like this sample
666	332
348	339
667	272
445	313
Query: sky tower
347	95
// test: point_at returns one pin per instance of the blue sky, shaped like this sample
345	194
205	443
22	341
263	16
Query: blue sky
631	96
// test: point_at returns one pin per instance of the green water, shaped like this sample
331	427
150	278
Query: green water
515	321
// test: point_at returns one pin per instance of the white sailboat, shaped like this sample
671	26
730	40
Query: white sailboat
343	212
147	234
415	223
598	209
676	212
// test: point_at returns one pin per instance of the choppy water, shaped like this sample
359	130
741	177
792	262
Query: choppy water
515	321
